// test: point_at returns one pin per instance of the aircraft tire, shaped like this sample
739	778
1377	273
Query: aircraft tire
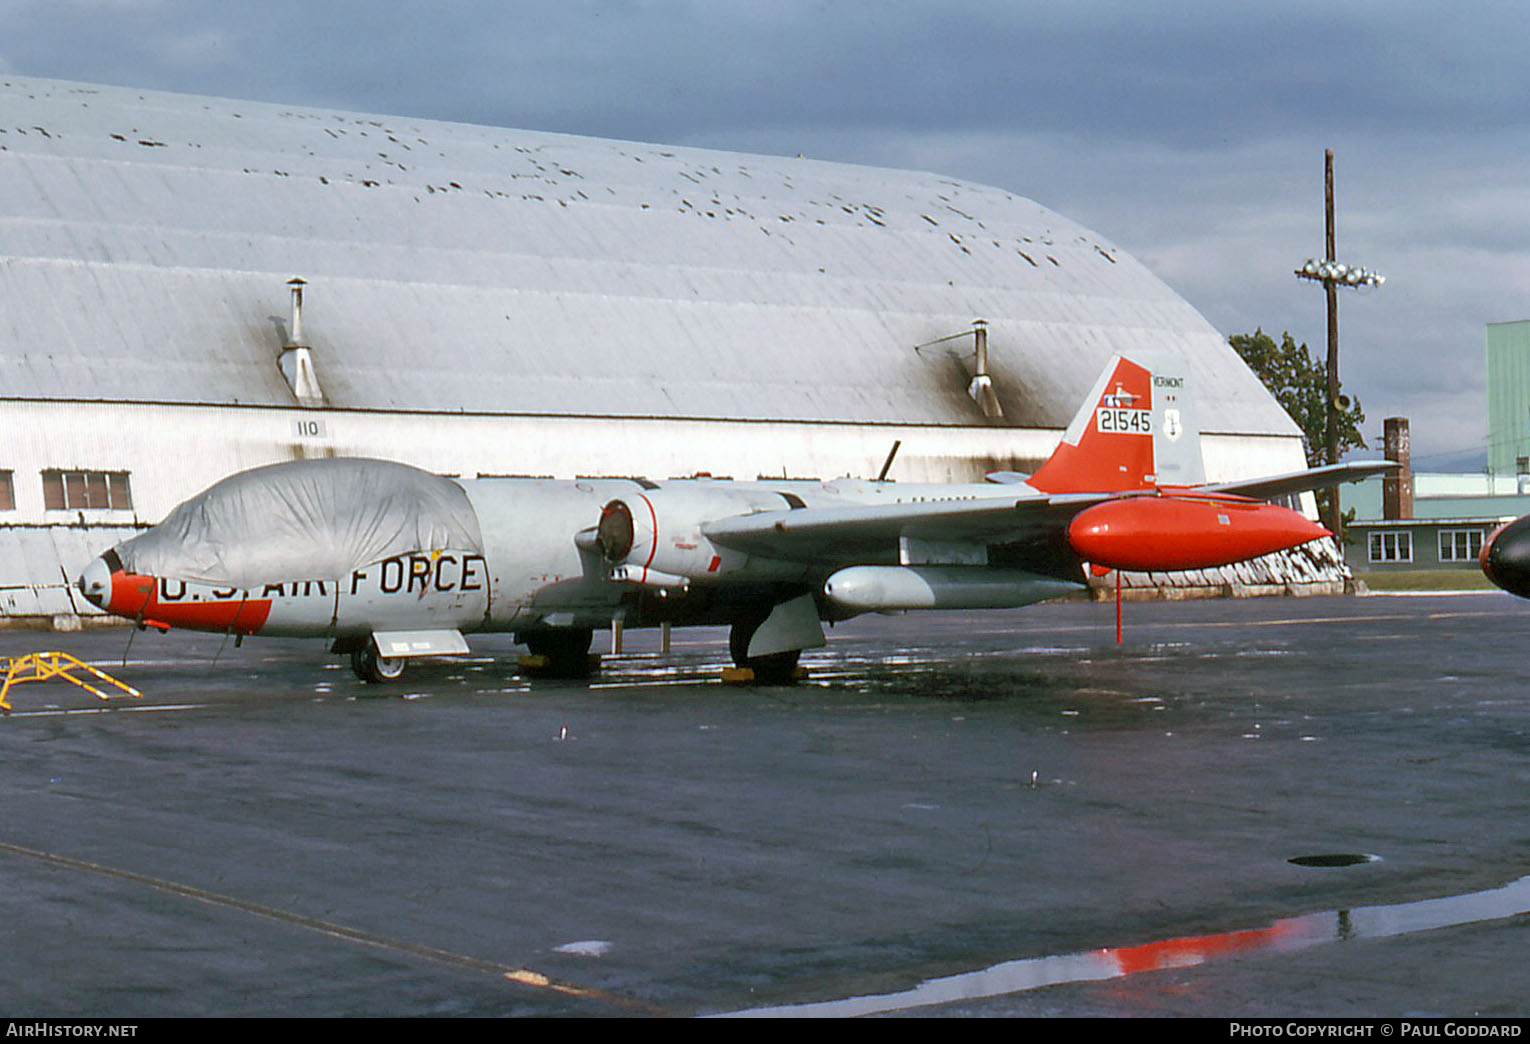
567	650
375	669
775	669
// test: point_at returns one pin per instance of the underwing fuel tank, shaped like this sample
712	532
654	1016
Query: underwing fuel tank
1505	557
888	588
1159	534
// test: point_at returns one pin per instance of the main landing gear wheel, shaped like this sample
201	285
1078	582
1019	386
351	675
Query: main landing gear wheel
566	651
775	669
372	667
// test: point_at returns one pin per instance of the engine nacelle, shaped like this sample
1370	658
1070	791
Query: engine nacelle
654	538
1158	534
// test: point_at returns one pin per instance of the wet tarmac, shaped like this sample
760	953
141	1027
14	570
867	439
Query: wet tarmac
993	813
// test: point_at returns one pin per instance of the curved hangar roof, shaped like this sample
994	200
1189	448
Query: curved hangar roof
146	240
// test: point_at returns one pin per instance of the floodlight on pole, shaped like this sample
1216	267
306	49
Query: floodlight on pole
1332	274
1340	273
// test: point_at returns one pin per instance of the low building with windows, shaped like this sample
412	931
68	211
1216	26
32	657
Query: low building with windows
1426	521
1449	518
1390	545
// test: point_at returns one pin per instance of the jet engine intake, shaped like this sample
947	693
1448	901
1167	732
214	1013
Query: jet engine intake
654	538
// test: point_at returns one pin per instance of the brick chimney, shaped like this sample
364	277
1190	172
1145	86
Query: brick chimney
1397	488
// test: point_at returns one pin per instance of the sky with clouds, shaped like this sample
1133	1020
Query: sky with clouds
1191	133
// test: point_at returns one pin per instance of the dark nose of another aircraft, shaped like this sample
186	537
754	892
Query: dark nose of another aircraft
1505	557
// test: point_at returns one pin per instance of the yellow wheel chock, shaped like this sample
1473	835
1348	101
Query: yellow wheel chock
45	665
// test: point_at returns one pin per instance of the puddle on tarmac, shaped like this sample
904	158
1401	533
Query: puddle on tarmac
1292	933
1332	859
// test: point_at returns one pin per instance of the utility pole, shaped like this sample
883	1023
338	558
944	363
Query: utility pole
1333	274
1331	293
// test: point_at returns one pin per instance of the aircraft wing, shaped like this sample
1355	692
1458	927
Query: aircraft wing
828	536
860	534
1273	486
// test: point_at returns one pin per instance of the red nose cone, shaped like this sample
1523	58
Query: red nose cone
155	602
1163	534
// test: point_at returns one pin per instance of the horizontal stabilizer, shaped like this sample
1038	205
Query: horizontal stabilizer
1303	481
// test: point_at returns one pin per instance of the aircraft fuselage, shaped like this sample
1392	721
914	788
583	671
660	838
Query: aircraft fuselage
529	572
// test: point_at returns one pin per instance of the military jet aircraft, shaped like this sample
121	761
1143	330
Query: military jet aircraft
389	562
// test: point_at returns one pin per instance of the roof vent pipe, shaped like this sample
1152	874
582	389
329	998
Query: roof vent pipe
981	388
295	335
296	361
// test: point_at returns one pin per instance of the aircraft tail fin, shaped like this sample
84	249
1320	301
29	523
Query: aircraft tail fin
1135	431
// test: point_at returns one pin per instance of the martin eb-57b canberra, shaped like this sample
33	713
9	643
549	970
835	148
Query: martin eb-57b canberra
390	562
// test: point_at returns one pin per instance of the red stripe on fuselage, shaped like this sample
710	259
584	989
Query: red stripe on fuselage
653	550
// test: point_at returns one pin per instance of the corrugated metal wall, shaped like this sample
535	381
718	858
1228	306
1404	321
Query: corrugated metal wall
38	565
1508	385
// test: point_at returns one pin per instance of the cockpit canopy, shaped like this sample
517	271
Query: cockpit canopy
305	520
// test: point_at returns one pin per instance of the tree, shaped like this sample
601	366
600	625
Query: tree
1300	384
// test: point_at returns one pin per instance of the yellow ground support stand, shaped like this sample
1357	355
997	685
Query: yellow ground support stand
44	665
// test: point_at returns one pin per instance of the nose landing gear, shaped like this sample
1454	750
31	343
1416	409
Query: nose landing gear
373	667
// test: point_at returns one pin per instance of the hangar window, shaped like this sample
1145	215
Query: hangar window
1392	546
1460	545
7	492
68	490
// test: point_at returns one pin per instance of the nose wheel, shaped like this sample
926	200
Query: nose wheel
374	668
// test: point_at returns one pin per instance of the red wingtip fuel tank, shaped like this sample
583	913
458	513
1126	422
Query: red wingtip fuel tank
1505	557
1165	533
